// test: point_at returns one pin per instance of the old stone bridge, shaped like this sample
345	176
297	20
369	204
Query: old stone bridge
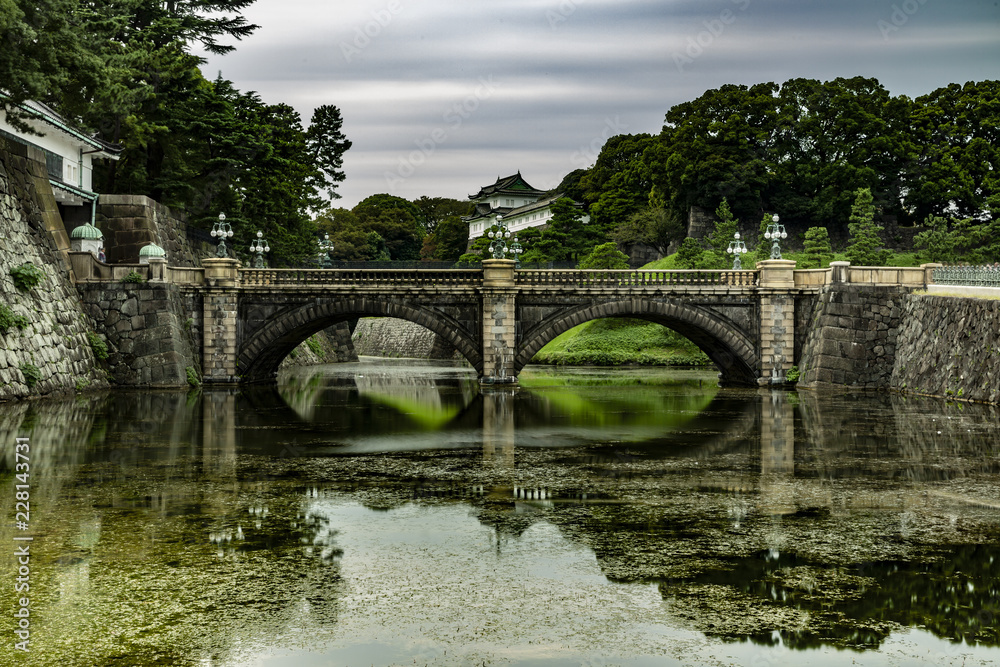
752	324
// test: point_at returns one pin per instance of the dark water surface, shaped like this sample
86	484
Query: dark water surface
388	513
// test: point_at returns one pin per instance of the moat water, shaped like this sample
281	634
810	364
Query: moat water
389	513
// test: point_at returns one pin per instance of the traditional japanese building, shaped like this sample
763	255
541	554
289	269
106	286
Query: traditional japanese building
69	155
520	204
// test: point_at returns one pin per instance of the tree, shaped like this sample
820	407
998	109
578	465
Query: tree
327	144
955	171
689	255
865	245
435	209
396	220
605	256
817	247
722	234
451	237
44	55
654	227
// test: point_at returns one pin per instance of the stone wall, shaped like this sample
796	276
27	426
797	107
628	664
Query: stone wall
55	340
852	340
150	335
949	346
131	221
331	345
391	337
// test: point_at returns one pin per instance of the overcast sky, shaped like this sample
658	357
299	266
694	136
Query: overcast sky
440	98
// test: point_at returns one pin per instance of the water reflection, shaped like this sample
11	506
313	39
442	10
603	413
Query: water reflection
360	506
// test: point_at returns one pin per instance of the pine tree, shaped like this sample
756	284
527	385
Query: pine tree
865	245
719	239
817	247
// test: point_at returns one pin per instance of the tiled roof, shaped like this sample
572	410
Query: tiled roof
514	184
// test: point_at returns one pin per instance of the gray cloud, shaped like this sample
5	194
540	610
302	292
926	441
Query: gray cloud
455	94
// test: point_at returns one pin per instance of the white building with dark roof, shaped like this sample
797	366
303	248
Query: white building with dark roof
520	204
69	157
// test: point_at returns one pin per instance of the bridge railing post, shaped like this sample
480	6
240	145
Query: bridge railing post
219	324
777	319
840	272
499	321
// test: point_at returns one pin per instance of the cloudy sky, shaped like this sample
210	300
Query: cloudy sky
440	98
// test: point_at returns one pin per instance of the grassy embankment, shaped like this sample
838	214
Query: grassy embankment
617	342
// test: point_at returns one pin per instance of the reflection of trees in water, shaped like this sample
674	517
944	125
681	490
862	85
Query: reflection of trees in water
954	593
887	435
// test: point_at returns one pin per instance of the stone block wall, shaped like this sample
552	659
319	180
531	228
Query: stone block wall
55	340
334	346
949	346
852	341
131	221
391	337
148	332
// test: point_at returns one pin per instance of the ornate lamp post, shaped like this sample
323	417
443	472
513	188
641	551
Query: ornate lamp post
325	248
736	248
775	231
499	233
259	246
516	248
222	230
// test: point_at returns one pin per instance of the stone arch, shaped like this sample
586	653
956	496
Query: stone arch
729	348
260	355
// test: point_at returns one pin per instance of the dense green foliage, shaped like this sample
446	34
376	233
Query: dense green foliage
127	71
865	247
10	320
97	346
26	276
817	249
133	277
613	342
605	256
32	374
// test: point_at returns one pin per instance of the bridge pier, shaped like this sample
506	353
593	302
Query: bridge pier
777	319
499	294
220	312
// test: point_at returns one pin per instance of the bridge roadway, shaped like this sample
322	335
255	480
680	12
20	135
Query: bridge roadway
751	324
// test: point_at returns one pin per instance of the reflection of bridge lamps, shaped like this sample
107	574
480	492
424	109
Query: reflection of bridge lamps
775	231
222	230
259	246
499	233
325	248
736	248
516	248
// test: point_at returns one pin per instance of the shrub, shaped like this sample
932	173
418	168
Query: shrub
792	374
192	376
9	319
26	276
133	277
316	347
32	374
98	346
